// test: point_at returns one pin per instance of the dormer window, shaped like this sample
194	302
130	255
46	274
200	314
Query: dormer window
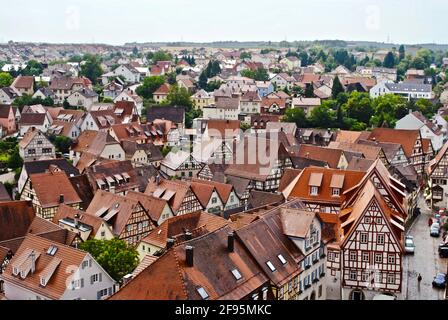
315	182
335	192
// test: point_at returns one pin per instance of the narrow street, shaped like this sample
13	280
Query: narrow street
425	261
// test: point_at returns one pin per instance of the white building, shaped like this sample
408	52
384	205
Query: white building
417	121
46	270
408	90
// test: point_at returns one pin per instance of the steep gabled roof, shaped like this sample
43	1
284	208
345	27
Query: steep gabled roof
49	186
64	258
15	219
211	271
104	204
407	138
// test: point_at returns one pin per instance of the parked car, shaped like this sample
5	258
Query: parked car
435	230
437	217
439	281
443	250
409	245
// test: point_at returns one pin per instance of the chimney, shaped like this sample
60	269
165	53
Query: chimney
188	236
76	221
231	242
189	254
61	198
169	243
33	261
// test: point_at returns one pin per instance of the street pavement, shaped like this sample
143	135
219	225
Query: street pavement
425	261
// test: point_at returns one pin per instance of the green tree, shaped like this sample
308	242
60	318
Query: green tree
359	107
149	86
115	256
92	69
309	91
161	56
202	83
401	53
179	96
297	116
191	115
323	116
5	79
166	149
213	85
61	143
15	161
245	55
33	68
337	88
388	108
389	60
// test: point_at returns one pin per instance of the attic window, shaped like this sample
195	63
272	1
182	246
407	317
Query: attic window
52	250
236	274
282	259
203	293
314	191
335	192
271	266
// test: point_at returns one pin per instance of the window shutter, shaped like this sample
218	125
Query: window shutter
98	295
91	279
73	285
82	282
101	277
110	291
90	262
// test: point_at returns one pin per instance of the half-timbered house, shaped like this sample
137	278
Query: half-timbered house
48	190
180	164
412	143
438	179
179	195
127	217
371	247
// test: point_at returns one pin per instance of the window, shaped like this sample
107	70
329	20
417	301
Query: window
378	221
101	293
214	200
391	278
380	238
335	192
255	296
265	293
314	191
352	256
391	259
282	259
378	277
364	276
94	278
271	266
364	238
290	286
365	256
367	220
236	274
31	151
378	258
331	256
353	275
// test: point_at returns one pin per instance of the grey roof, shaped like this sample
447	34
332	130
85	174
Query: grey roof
409	87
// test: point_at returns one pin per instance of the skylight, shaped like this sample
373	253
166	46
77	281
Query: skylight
203	293
236	274
271	266
282	259
52	250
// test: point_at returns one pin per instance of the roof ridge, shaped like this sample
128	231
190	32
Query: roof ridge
179	269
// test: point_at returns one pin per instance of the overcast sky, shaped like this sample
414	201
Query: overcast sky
120	21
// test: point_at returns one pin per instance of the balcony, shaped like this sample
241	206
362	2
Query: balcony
322	274
316	260
307	286
316	280
307	267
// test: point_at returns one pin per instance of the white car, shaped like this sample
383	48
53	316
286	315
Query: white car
409	245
